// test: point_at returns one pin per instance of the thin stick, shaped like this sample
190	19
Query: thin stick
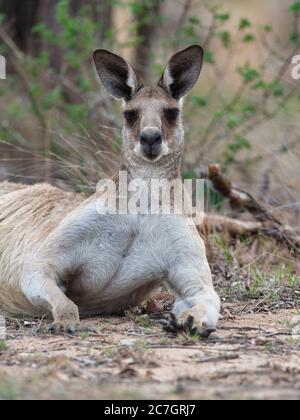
269	224
225	357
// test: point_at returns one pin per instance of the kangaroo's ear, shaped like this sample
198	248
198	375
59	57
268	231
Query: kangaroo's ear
182	72
116	75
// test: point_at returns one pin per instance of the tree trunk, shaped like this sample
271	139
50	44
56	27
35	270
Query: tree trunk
22	16
147	21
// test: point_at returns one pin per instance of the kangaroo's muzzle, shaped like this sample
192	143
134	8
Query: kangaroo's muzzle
151	142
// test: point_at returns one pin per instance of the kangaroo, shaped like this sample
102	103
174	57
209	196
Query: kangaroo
60	258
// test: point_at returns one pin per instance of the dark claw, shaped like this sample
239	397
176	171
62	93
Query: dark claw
194	331
188	326
51	329
171	325
71	330
175	328
207	333
173	318
170	328
163	322
92	329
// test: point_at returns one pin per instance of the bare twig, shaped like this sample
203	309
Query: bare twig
185	11
269	225
16	60
237	197
214	223
221	358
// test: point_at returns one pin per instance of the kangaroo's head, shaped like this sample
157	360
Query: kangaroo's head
152	115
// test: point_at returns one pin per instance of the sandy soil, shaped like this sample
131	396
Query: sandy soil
252	356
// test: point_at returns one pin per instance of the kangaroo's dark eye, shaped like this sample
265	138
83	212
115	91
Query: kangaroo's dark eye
171	114
131	116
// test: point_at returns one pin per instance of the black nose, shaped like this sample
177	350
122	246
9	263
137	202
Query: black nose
150	137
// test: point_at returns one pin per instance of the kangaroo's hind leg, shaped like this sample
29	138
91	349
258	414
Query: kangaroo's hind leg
43	292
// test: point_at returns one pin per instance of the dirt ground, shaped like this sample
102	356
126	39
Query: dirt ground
252	356
255	354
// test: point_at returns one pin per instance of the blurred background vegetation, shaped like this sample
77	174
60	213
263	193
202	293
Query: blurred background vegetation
58	125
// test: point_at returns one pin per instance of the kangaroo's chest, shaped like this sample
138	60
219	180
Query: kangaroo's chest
122	251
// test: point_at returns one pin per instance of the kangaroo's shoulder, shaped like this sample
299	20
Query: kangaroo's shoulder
36	201
8	187
41	191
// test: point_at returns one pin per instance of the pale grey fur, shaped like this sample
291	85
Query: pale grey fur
59	256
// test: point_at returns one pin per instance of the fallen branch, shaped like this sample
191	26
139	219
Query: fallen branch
236	197
225	358
265	224
221	224
183	17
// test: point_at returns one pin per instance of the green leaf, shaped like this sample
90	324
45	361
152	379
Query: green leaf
84	84
294	38
46	34
225	37
249	38
223	247
248	73
295	7
52	98
260	85
244	23
194	20
200	101
218	115
43	58
223	17
2	18
137	8
189	31
78	112
233	121
276	88
39	28
240	143
249	109
209	57
158	68
36	90
268	28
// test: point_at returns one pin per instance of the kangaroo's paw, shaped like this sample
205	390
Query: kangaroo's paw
172	325
66	320
69	327
194	321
